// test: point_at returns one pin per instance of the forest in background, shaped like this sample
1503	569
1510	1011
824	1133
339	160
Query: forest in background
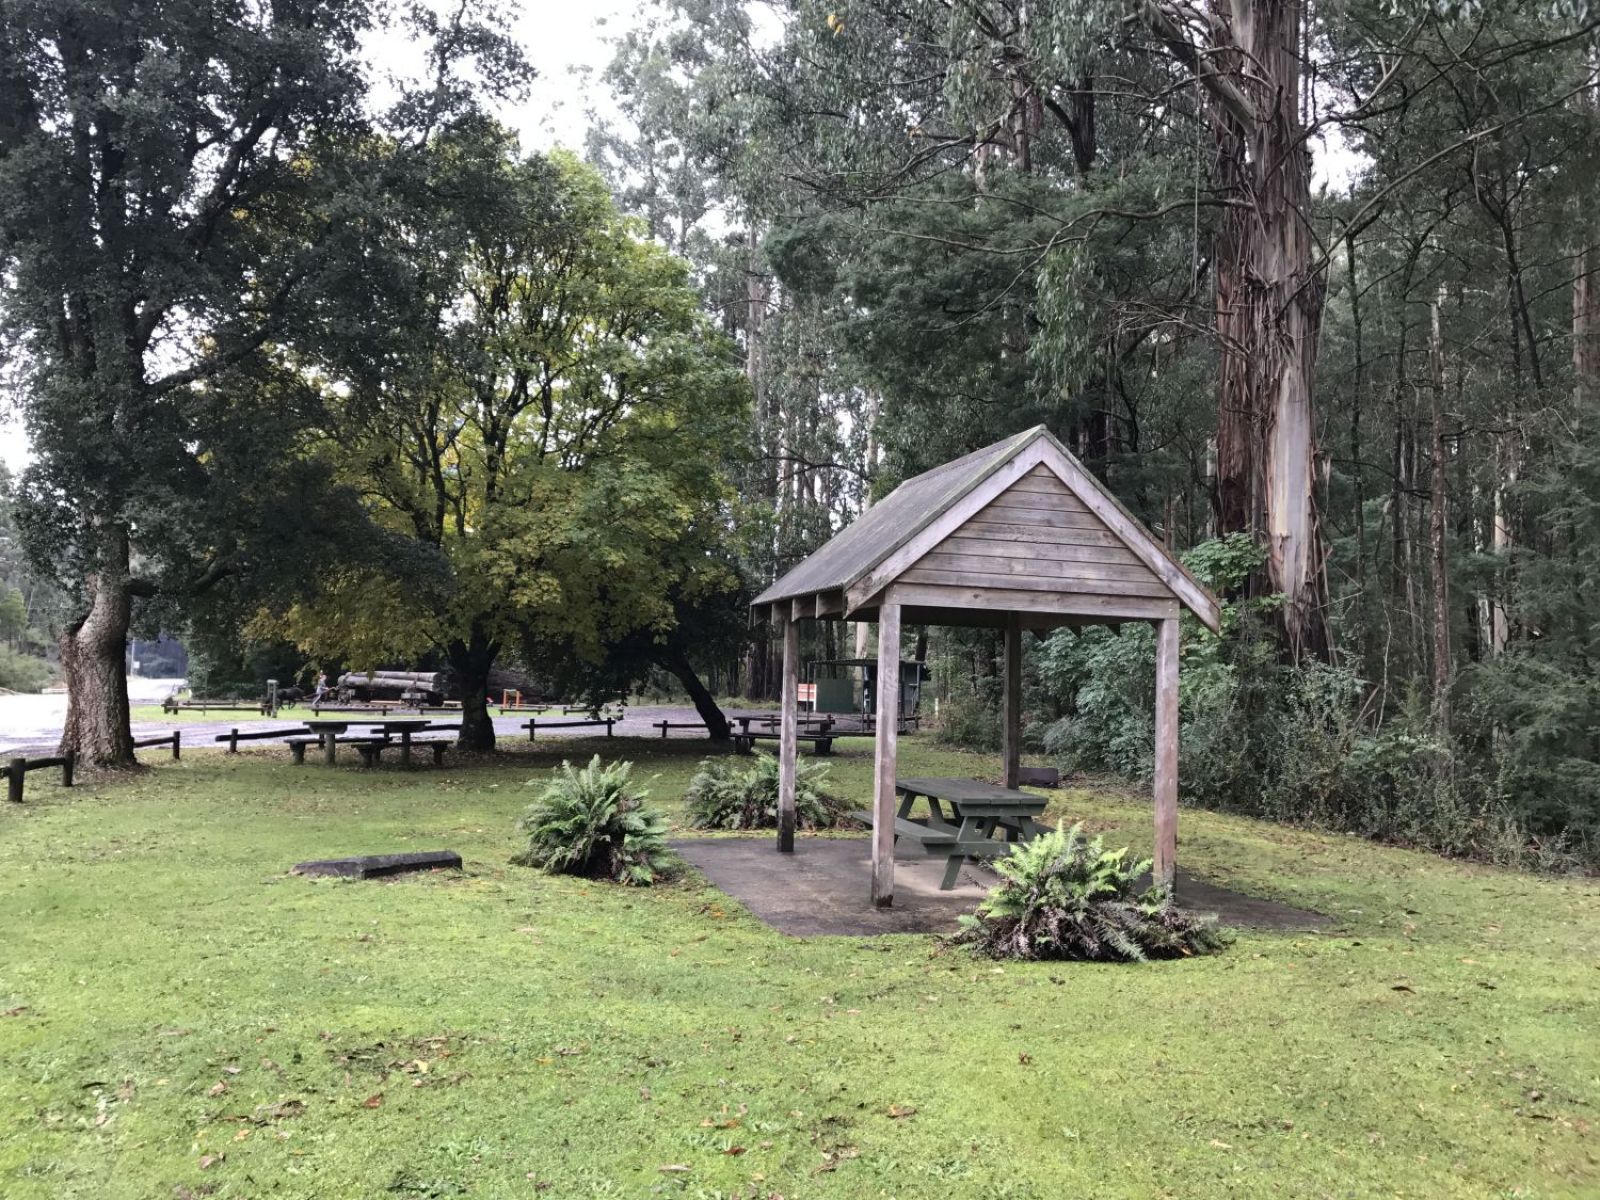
1311	287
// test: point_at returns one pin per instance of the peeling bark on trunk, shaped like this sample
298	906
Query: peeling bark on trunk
1269	299
470	662
704	702
93	659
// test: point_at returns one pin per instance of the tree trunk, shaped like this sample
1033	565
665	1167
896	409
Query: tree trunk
1438	530
704	702
94	661
1268	318
470	662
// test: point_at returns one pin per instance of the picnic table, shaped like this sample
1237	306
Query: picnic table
404	729
984	820
328	733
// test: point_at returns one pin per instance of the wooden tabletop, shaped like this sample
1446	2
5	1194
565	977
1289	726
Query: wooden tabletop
972	793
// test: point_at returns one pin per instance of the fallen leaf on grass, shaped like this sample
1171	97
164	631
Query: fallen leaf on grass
897	1111
283	1110
730	1123
232	1070
1216	1145
1403	987
373	1101
1025	1059
208	1161
15	1012
833	1159
217	1088
673	1168
734	1150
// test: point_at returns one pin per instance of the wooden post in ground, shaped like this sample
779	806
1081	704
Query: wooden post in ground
1166	772
233	740
14	776
1011	732
887	710
177	740
788	733
69	761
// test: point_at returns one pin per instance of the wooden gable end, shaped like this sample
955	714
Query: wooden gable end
1037	535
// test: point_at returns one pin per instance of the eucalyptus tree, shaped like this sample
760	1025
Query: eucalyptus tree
171	175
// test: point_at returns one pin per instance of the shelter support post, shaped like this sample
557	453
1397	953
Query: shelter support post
886	750
789	727
1166	772
1011	734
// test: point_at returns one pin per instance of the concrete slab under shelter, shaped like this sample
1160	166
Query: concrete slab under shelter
817	890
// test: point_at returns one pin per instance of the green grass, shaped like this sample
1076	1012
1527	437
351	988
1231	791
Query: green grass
181	1018
154	712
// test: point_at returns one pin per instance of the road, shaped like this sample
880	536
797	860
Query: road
31	724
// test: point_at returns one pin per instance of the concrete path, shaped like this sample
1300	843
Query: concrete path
824	887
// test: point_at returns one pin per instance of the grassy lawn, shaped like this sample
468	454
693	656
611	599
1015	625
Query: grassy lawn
180	1018
154	712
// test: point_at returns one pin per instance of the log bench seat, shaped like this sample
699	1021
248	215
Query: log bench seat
745	741
666	725
297	745
371	750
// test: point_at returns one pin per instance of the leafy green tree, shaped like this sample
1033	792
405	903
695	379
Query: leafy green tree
170	182
544	448
13	616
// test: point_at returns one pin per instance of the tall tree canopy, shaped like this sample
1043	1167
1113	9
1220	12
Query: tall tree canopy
543	441
172	179
961	217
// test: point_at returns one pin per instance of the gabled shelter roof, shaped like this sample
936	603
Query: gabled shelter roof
892	522
890	538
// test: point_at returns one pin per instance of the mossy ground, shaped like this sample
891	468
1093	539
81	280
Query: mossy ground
181	1018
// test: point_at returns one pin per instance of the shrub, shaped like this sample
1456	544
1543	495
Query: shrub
969	721
743	794
1063	897
593	823
23	672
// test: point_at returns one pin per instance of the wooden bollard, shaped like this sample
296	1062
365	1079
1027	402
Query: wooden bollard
69	760
14	774
177	738
233	740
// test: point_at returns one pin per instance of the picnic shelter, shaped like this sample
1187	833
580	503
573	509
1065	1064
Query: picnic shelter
1016	536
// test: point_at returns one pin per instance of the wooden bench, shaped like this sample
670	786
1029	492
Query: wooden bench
938	840
666	725
297	745
535	725
745	742
233	737
371	750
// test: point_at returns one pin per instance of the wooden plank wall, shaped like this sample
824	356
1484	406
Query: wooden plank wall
1038	536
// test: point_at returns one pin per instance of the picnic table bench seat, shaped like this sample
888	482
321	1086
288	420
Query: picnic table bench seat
745	740
984	821
297	745
371	750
